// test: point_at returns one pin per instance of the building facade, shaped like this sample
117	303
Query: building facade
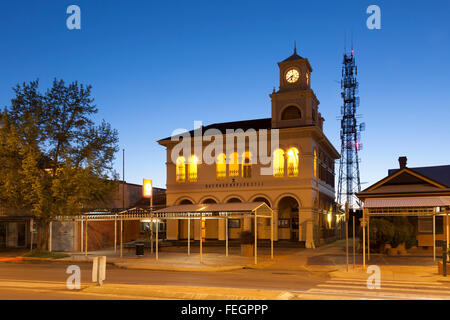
298	185
421	193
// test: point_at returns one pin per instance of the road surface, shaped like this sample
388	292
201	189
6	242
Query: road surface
46	281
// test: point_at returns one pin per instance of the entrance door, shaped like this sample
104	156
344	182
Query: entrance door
294	226
212	231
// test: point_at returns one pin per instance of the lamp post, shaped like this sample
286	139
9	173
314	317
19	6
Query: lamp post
147	192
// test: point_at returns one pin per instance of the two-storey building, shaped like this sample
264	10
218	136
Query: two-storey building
298	184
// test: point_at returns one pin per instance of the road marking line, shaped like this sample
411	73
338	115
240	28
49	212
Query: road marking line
383	284
374	294
391	281
385	289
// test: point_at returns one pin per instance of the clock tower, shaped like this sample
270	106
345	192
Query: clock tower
295	103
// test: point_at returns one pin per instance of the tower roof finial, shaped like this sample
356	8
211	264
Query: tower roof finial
295	47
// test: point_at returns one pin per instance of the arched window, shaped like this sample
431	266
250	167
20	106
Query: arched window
181	169
315	163
291	113
233	167
192	167
247	165
278	163
221	166
292	162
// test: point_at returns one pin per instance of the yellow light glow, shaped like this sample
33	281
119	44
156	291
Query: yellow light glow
147	188
181	169
315	164
233	168
278	163
192	167
221	167
292	162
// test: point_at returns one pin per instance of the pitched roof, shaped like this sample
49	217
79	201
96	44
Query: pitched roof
295	56
440	174
257	124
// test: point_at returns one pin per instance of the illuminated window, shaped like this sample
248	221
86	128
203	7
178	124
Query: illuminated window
315	164
247	165
181	169
192	167
221	167
307	79
292	162
278	163
233	167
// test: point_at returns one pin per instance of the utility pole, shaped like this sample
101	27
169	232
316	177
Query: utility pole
123	203
346	233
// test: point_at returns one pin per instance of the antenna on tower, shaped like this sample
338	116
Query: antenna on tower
349	177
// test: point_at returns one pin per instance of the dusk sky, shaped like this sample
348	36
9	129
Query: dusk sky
156	66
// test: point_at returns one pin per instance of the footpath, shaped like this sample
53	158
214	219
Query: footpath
328	261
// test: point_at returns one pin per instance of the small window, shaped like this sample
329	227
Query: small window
291	113
278	163
315	164
192	167
181	169
283	223
221	167
247	165
425	224
233	168
292	162
234	223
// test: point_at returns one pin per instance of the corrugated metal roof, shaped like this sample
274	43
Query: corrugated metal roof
407	202
216	207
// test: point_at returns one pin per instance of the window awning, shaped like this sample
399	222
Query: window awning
216	210
406	202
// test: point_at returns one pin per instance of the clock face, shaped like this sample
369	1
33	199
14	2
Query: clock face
292	75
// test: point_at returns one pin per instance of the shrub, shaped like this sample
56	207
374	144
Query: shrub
393	230
36	253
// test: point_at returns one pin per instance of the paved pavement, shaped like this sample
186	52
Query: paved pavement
292	274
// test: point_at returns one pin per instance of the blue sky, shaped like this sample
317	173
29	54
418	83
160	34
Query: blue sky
156	66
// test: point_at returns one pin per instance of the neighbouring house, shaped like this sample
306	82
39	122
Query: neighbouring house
300	187
421	192
15	226
70	236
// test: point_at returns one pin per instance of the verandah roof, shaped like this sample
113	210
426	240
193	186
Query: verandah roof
406	202
258	209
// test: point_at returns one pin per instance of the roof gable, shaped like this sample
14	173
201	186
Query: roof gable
403	177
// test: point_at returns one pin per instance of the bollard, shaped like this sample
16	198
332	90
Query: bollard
99	269
444	259
95	269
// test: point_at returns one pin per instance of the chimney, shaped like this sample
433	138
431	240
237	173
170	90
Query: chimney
402	162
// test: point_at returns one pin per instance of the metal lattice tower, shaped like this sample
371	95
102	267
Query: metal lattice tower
349	180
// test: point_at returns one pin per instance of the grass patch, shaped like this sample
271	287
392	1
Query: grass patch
45	254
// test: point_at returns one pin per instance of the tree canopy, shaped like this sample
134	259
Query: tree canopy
55	158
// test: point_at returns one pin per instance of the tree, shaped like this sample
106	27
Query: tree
55	159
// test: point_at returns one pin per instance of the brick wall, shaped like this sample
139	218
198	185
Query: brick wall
101	234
